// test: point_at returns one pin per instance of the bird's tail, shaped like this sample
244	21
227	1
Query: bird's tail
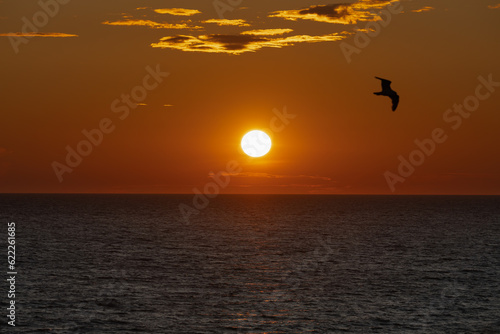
378	93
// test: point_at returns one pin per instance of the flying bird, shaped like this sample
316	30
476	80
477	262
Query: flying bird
387	91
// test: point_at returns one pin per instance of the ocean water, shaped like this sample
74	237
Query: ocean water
254	264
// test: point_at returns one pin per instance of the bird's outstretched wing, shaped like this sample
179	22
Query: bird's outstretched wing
386	84
395	102
387	91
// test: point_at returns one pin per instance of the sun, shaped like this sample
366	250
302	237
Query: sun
256	143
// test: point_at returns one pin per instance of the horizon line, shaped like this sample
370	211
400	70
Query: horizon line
232	194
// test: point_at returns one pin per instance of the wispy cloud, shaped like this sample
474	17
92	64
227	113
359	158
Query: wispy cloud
225	22
267	32
454	177
343	13
152	24
423	9
274	176
238	44
178	11
38	34
494	6
313	184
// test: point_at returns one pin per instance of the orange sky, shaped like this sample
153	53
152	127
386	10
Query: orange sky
68	67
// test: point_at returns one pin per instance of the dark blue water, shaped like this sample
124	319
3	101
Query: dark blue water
254	264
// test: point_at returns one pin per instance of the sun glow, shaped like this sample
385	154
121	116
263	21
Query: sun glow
256	143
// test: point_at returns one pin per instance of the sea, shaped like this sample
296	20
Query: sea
118	263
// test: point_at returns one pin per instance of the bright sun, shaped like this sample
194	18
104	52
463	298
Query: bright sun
256	143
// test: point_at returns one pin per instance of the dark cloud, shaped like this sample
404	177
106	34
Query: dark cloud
335	10
341	13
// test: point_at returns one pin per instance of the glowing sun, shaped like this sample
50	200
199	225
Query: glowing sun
256	143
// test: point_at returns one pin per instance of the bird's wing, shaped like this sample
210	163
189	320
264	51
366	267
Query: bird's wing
395	102
386	84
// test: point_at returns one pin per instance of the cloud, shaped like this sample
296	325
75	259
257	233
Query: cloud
168	105
456	177
267	32
342	13
423	9
273	176
237	44
313	184
37	34
225	22
178	11
494	6
151	24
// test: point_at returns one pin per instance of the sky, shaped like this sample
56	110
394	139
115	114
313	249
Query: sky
147	96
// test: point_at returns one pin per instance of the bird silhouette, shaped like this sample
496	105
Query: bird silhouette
387	91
